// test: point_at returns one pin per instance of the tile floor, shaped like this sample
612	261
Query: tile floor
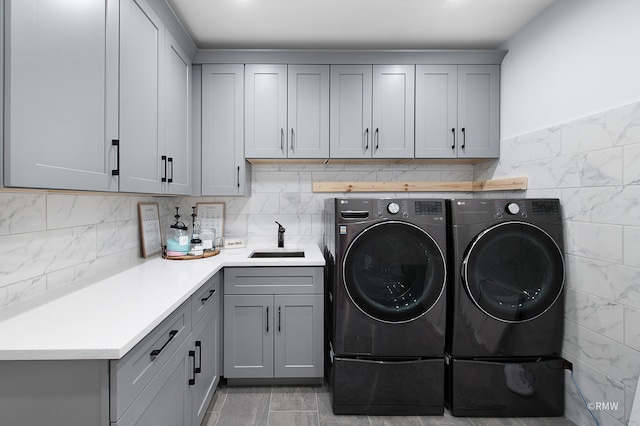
311	406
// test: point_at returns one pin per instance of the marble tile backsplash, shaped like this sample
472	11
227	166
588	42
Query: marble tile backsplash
50	239
592	165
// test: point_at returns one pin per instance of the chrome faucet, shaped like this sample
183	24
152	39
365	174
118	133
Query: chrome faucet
280	235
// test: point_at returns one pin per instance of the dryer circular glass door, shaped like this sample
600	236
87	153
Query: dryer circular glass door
513	271
394	271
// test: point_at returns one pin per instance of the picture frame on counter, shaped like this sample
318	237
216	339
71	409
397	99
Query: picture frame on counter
211	216
150	232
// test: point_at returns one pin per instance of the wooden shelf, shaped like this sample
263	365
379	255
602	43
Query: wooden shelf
510	184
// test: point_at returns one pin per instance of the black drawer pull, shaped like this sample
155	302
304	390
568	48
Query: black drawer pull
279	318
154	353
198	369
204	299
192	355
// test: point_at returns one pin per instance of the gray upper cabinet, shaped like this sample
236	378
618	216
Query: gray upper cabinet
223	165
479	111
393	111
350	133
177	113
457	111
286	111
265	111
154	87
372	111
308	111
62	109
141	54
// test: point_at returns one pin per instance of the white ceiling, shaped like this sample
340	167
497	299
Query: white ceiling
354	24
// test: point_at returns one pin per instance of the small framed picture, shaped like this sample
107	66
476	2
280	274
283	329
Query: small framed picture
211	217
150	234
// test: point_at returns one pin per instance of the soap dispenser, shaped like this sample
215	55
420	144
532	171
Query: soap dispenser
178	242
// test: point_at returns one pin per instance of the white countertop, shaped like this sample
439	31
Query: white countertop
105	319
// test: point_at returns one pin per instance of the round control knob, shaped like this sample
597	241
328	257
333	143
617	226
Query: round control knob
393	208
512	208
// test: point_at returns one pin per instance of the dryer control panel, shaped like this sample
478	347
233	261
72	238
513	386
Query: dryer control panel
410	208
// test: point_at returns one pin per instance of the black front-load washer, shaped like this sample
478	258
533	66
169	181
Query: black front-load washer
388	304
506	312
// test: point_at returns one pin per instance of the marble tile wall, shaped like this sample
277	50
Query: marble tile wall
284	193
48	240
592	165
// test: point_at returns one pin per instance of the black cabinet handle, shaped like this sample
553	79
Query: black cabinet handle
464	138
204	299
279	318
192	355
366	139
198	369
267	319
164	160
171	163
154	353
116	143
282	139
238	176
453	132
377	136
292	137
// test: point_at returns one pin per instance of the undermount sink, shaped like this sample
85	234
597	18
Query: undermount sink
277	254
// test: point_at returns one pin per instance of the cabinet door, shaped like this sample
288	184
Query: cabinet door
166	400
308	111
177	113
299	336
393	111
141	55
206	344
350	122
223	165
436	111
248	336
265	111
478	111
61	95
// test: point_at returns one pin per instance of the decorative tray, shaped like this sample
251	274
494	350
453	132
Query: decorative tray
190	256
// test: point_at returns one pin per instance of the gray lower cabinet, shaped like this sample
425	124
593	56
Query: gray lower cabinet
168	378
273	323
165	400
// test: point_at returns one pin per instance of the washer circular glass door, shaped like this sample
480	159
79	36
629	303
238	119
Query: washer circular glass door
513	271
394	271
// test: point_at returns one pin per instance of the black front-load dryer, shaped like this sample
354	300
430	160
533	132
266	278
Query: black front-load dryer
506	312
389	305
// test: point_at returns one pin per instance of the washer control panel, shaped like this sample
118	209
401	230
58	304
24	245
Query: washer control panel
510	208
409	208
